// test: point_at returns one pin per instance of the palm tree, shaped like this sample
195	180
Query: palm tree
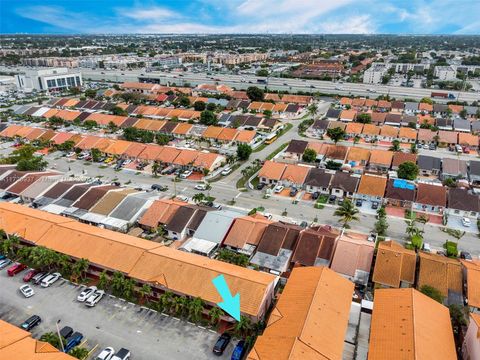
79	352
62	262
128	288
198	198
166	300
243	326
9	245
231	159
24	253
215	314
155	168
180	305
80	268
395	145
312	110
52	339
195	309
145	291
103	280
347	213
117	282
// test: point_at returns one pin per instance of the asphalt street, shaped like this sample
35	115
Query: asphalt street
112	322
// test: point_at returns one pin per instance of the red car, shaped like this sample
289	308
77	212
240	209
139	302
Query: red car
15	269
30	274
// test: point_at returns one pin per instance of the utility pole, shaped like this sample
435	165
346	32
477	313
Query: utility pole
59	336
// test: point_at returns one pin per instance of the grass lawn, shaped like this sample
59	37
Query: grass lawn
279	149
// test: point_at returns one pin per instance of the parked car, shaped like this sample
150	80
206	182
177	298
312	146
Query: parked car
465	255
315	195
31	322
37	279
201	187
182	198
94	298
332	199
85	294
432	147
375	205
122	354
159	187
293	191
30	274
466	222
15	269
50	280
186	174
458	149
106	354
4	263
239	350
278	189
26	291
226	171
66	332
221	344
73	340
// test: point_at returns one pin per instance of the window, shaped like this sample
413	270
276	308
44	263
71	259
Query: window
51	83
71	81
79	83
61	82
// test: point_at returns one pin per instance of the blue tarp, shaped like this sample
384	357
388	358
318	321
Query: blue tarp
403	184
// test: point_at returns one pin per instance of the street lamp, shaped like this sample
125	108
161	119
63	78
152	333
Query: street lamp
59	336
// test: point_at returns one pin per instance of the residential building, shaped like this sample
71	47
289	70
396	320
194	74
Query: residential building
474	172
294	175
318	180
357	159
348	115
426	136
344	184
394	265
407	324
314	248
399	157
49	80
400	193
371	188
271	172
471	274
310	319
454	168
471	341
295	150
375	73
245	233
431	198
380	160
429	165
463	203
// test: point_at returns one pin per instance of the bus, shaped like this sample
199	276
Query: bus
271	138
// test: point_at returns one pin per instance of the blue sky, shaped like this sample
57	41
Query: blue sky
240	16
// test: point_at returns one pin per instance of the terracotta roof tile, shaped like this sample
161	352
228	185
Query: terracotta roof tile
440	272
272	170
372	185
394	264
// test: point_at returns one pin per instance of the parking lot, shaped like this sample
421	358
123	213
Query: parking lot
112	322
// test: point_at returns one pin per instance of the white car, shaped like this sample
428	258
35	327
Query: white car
186	174
50	279
201	187
85	294
27	291
466	222
182	198
226	171
278	189
106	354
94	298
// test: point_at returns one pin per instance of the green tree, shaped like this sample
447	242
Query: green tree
145	291
407	170
117	282
381	226
211	107
199	105
207	117
427	100
309	155
457	318
255	94
262	72
54	122
215	314
112	127
198	198
79	352
90	124
413	149
195	309
53	340
156	168
66	146
347	212
243	151
184	101
103	280
117	110
95	154
267	113
395	145
91	93
162	139
364	118
336	134
433	293
80	268
9	246
128	288
312	110
244	326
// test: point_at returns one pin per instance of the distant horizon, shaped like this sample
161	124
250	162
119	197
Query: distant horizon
238	34
241	17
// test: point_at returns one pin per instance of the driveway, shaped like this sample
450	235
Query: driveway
112	322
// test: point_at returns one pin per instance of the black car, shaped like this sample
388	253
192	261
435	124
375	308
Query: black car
31	322
260	186
159	187
358	202
331	199
465	255
375	205
315	195
221	344
293	191
116	183
66	332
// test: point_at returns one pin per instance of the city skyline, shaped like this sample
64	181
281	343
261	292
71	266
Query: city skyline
241	16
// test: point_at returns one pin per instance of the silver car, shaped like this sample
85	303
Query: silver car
26	291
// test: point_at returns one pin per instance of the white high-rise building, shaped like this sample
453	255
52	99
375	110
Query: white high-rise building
51	80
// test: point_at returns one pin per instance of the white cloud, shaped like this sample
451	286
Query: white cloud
154	13
361	24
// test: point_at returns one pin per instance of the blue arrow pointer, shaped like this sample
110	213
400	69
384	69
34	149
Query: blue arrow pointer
230	304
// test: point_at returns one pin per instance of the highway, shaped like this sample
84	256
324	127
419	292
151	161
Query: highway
241	82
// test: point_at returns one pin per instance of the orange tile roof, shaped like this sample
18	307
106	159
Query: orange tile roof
168	155
426	135
34	134
400	157
212	132
440	272
160	212
227	134
425	107
143	124
406	132
134	149
71	102
103	144
16	343
174	112
68	115
473	282
370	129
384	104
345	101
155	125
163	112
358	154
448	137
310	319
381	157
319	147
267	106
408	325
358	102
246	230
88	142
150	152
61	137
245	136
348	115
206	160
280	107
390	131
23	131
105	119
185	157
182	129
354	128
296	174
372	185
371	103
50	113
140	259
118	147
255	105
468	139
425	119
394	264
10	131
456	109
272	170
